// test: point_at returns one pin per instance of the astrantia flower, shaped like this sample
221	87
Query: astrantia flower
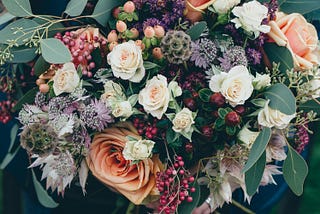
40	100
276	148
63	124
269	171
57	105
96	115
204	51
232	57
31	114
59	170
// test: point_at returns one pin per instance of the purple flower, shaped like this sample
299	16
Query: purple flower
204	51
254	56
232	57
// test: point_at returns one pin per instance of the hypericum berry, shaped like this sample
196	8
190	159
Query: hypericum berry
44	88
189	199
217	99
134	33
240	109
121	26
159	31
149	32
129	7
188	147
232	119
112	36
115	12
207	131
157	53
190	103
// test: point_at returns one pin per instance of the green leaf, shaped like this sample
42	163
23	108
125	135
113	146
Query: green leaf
222	113
75	7
40	66
196	30
8	158
54	51
19	30
22	54
279	54
311	105
254	175
11	154
52	29
299	6
187	207
149	65
231	130
103	9
258	148
18	8
42	194
5	17
281	98
171	136
295	171
205	94
27	98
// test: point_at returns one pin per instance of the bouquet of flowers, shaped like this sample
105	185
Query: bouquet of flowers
158	98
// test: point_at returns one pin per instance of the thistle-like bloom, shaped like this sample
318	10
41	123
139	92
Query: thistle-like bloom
204	51
57	105
232	57
31	114
40	100
59	170
96	115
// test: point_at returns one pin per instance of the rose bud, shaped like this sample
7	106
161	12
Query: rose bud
217	99
149	32
121	26
159	31
232	119
190	103
129	7
157	53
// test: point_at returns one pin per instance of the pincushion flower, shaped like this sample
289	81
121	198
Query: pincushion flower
249	17
107	163
235	86
155	96
223	6
126	62
299	36
269	117
66	79
195	8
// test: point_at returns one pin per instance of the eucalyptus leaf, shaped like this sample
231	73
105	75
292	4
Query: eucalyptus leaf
27	98
19	30
42	194
254	175
75	7
281	98
6	17
22	54
18	8
149	65
258	148
8	158
11	154
54	51
311	105
299	6
103	9
295	171
40	66
196	30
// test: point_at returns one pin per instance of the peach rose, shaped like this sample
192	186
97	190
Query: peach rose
299	36
106	162
195	8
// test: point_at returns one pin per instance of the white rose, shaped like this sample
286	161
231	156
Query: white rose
175	89
248	137
183	121
122	109
249	17
66	79
235	86
223	6
155	96
112	92
269	117
126	62
138	150
261	81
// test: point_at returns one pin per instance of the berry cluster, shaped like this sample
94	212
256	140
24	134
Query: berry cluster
174	185
5	113
148	129
302	137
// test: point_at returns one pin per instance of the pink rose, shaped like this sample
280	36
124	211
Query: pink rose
299	36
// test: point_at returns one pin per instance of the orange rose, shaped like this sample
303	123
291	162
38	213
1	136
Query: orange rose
195	8
299	36
106	162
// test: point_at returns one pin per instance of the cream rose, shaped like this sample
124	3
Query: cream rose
138	149
66	79
261	81
183	120
299	36
122	109
126	62
249	17
269	117
223	6
248	137
155	96
112	90
235	86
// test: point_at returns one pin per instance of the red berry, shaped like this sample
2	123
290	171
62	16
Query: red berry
240	109
190	103
189	199
192	189
207	131
232	119
188	147
217	99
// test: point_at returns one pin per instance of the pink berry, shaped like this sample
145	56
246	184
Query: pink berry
121	26
149	32
159	31
129	7
112	36
189	199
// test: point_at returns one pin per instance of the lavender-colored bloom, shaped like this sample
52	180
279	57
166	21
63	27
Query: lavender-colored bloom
254	56
204	51
57	105
151	22
232	57
96	115
40	100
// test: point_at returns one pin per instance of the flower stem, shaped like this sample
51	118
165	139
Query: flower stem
240	206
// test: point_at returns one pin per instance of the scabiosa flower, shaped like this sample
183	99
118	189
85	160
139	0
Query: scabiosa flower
232	57
39	139
96	115
204	51
254	56
59	170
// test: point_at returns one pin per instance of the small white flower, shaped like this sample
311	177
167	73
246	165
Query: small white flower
112	91
175	89
249	17
269	117
314	88
235	86
122	109
66	79
138	149
155	96
183	121
261	81
126	62
223	6
248	137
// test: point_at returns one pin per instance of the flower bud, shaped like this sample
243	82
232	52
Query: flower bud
121	26
149	32
129	7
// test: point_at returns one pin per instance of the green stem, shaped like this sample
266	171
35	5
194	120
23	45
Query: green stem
240	206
